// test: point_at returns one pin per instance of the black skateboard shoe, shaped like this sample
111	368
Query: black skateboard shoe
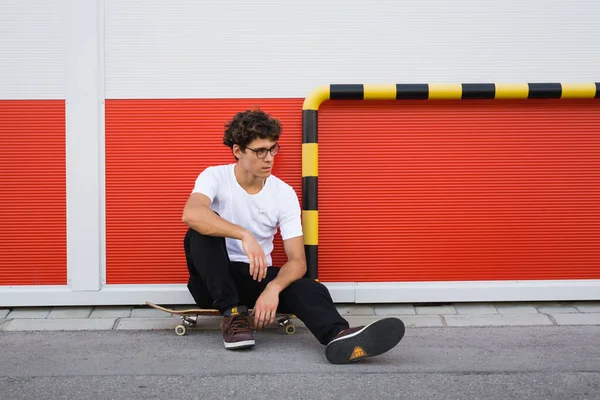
360	342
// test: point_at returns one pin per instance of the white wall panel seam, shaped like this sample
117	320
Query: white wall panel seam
83	119
102	137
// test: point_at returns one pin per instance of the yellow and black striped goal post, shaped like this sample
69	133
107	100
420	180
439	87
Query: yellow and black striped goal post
458	91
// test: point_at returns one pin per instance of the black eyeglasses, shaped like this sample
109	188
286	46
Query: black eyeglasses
262	152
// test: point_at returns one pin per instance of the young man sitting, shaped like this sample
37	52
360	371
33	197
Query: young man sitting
233	214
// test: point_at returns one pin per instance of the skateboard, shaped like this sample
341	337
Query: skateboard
189	318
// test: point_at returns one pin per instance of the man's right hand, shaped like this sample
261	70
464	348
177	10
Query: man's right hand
256	255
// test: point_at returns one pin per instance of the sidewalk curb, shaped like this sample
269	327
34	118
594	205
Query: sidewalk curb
411	322
80	324
419	316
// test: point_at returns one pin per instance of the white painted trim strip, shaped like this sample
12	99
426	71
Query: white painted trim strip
102	138
44	296
477	291
83	122
367	292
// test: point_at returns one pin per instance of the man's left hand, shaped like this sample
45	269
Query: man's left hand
266	307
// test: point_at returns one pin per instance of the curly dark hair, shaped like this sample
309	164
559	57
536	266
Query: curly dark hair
249	125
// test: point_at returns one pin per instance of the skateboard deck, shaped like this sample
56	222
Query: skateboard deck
191	311
189	318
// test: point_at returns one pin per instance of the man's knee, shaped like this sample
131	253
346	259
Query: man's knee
193	234
193	238
303	286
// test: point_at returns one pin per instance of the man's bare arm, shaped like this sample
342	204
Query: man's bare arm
294	268
198	216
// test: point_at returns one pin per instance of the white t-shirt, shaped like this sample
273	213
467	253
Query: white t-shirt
275	206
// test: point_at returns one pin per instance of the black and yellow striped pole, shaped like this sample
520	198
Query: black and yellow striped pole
458	91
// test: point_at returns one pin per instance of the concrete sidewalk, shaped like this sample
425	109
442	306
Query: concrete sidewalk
417	316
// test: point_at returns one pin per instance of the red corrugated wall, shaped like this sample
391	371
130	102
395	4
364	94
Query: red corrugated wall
155	150
459	190
33	231
408	191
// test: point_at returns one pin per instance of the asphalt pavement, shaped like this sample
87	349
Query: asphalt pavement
539	362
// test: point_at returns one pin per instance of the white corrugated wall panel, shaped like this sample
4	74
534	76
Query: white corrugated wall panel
274	48
32	49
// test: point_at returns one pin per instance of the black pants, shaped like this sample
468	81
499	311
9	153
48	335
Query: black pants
216	282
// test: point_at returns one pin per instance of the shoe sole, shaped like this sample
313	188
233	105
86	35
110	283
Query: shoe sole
239	345
374	339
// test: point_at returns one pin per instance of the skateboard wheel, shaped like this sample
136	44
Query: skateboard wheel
290	329
180	330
